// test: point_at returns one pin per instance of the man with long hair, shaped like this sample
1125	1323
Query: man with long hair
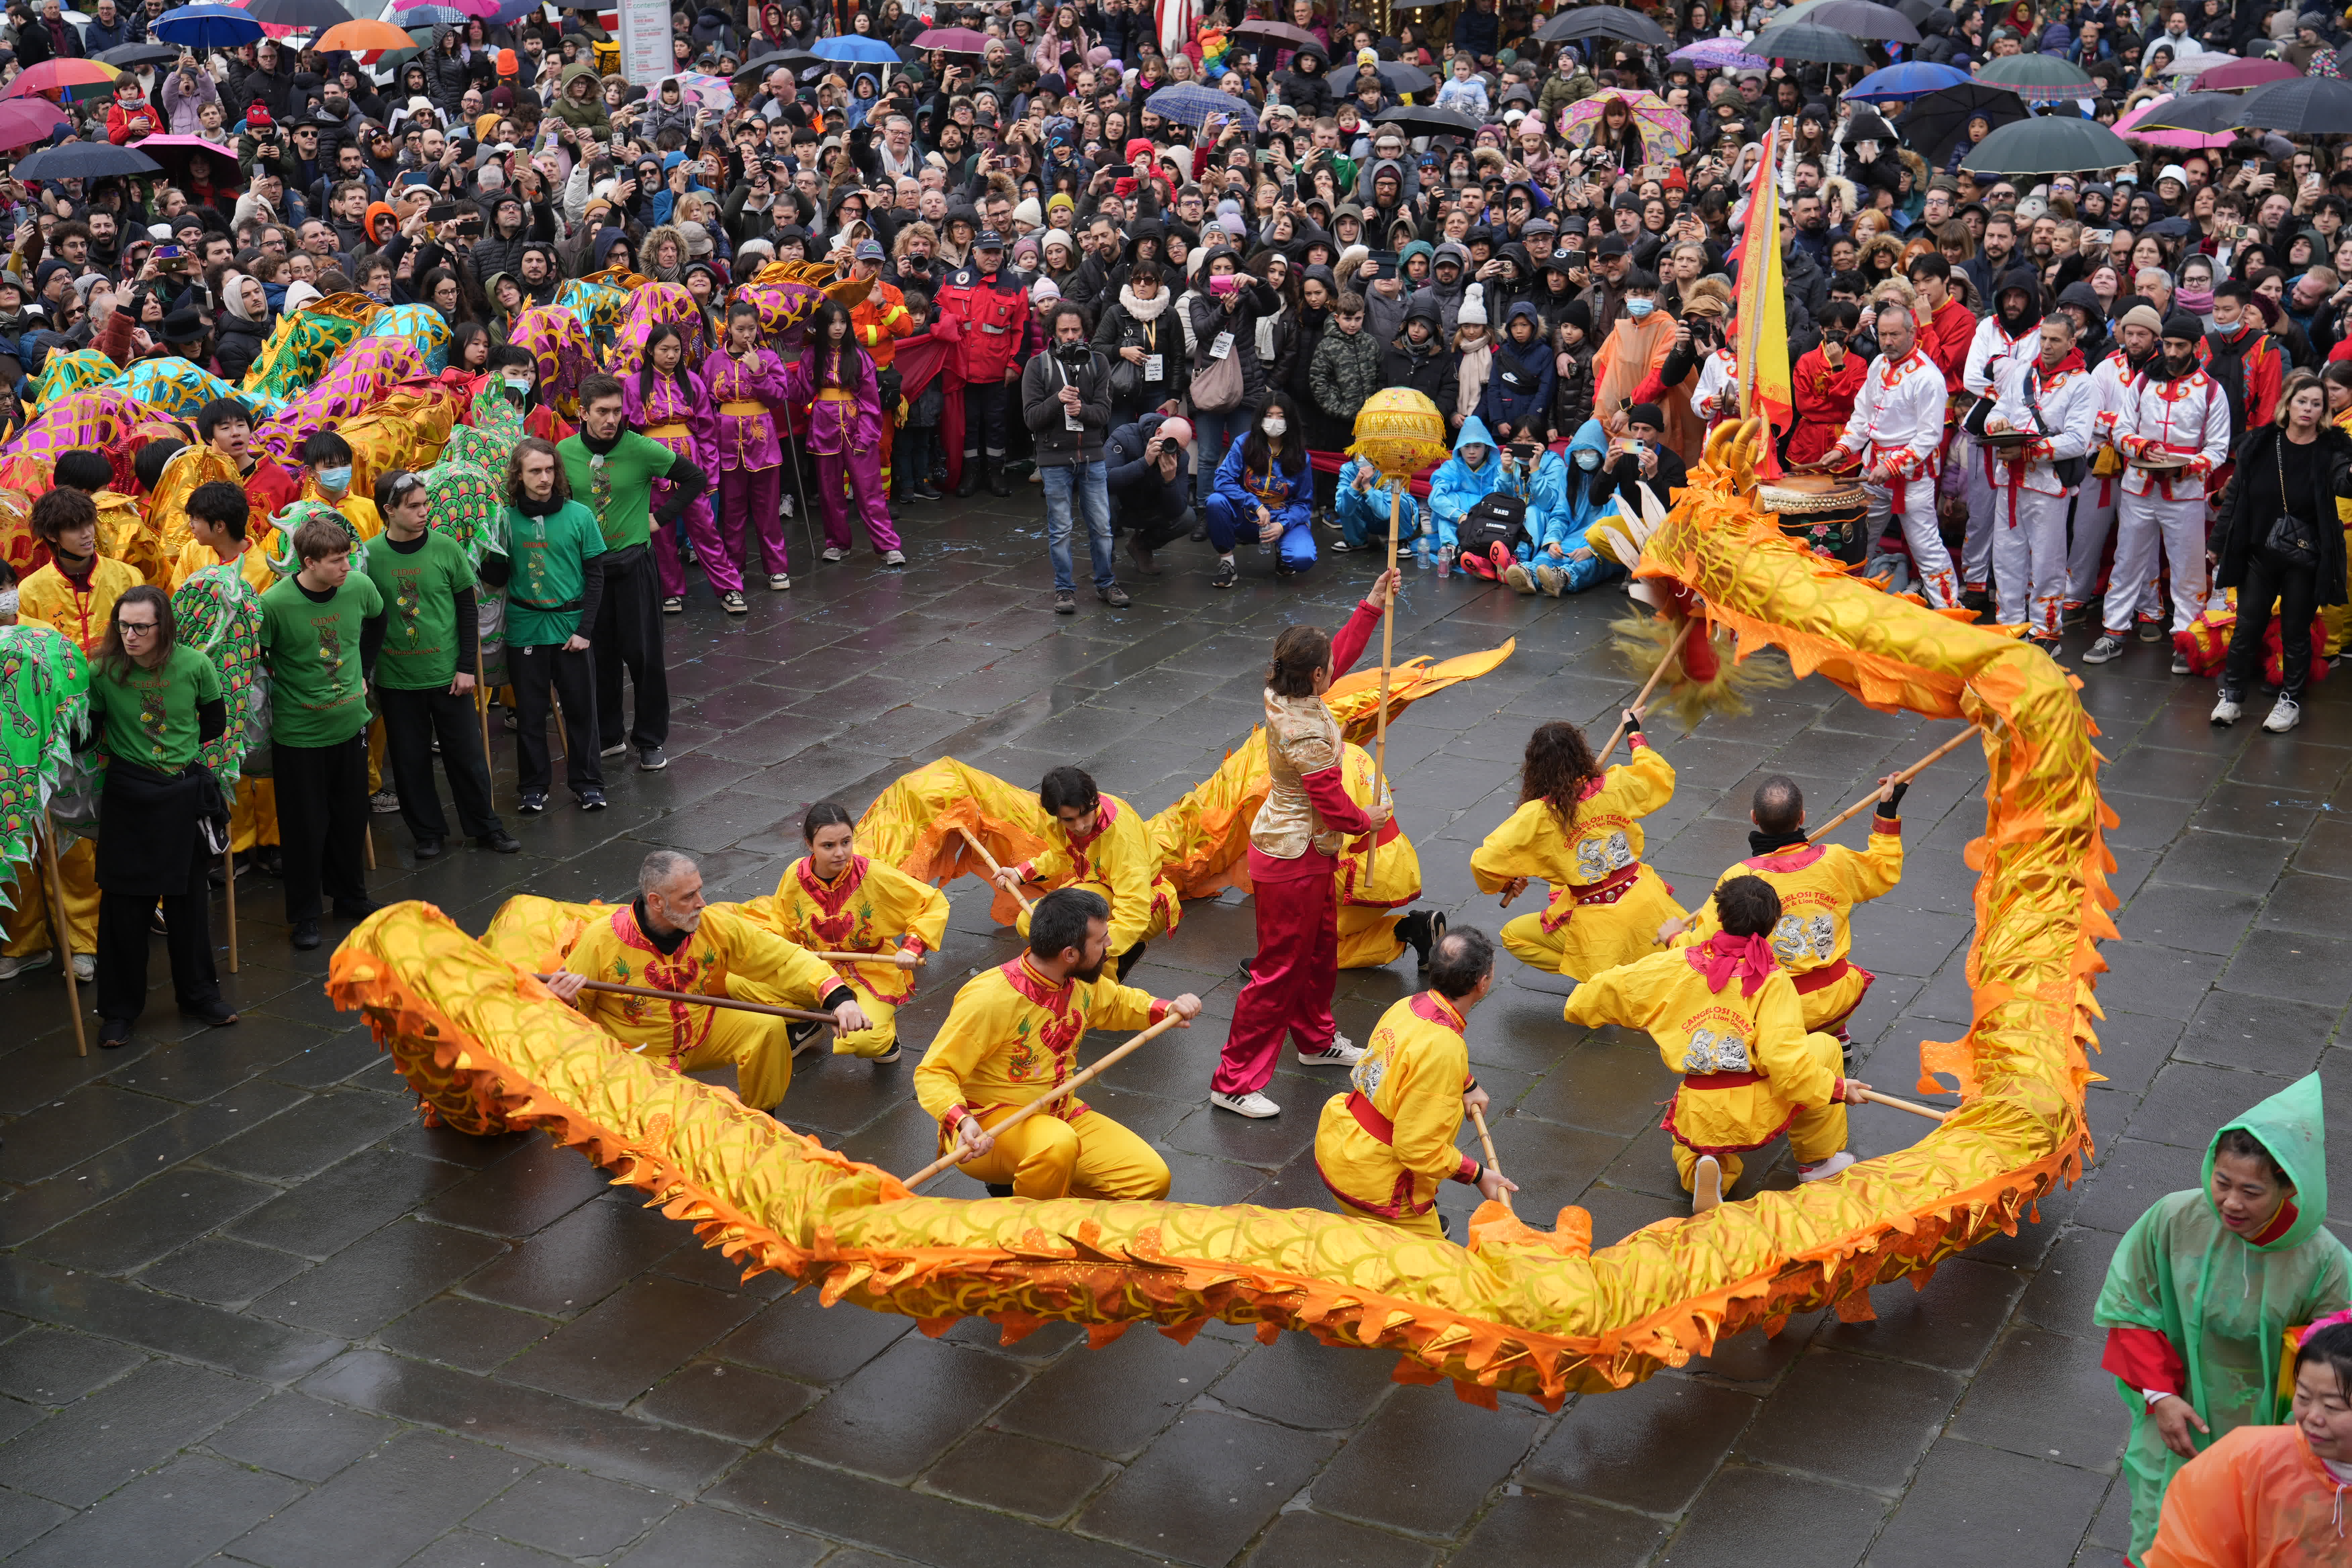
554	582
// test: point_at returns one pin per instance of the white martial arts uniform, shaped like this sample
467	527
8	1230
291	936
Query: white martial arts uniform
2189	417
1990	349
1897	428
2028	503
2095	503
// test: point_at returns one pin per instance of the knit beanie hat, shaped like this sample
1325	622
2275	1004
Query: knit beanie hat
1474	306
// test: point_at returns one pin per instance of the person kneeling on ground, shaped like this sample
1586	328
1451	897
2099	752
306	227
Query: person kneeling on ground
1150	484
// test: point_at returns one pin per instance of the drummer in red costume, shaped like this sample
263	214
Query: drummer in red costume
1897	432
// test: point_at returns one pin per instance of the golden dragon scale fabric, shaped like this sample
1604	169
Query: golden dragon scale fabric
1519	1308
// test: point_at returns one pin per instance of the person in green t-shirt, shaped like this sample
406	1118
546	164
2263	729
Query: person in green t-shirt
612	469
425	675
155	703
555	582
320	630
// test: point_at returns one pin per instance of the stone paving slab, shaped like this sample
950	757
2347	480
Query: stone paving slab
252	1314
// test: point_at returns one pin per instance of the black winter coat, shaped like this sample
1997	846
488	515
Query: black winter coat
2241	532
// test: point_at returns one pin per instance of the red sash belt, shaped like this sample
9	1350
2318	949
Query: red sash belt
1368	1118
1607	891
1720	1080
1828	974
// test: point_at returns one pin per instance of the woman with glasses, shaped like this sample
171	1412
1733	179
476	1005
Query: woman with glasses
154	703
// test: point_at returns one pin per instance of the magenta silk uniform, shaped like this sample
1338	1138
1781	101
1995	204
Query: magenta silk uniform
658	412
749	459
844	436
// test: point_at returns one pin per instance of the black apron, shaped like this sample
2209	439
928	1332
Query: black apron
147	827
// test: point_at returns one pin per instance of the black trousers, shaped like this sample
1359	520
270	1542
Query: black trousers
322	818
1154	533
2296	589
123	938
411	720
629	636
984	405
541	676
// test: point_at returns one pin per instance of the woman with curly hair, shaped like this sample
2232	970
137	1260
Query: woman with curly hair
1578	829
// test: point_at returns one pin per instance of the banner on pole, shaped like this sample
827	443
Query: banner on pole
1762	346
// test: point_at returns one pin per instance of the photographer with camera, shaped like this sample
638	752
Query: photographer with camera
1066	403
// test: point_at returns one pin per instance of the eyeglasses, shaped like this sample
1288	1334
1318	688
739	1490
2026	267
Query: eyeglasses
128	627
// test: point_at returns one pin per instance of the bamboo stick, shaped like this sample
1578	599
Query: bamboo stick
1388	657
900	959
994	870
1042	1101
803	1013
58	930
228	871
1674	647
1916	1109
1486	1144
1906	776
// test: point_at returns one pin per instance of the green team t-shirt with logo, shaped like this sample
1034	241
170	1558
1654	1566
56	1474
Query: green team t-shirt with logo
420	589
150	714
619	490
317	696
549	556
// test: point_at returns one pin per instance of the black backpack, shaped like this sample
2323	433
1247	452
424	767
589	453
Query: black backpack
1494	520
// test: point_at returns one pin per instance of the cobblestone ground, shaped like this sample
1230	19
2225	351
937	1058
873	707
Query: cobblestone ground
255	1314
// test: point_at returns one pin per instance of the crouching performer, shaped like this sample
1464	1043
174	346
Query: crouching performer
667	939
1728	1019
1383	1146
1013	1035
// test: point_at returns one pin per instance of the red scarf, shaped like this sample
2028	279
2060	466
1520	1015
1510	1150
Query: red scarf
1723	955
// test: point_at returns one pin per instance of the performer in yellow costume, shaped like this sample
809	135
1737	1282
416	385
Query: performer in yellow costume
1100	843
833	900
1727	1018
1013	1035
669	940
1383	1146
1578	830
1819	884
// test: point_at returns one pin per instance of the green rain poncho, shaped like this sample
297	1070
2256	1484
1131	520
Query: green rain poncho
2223	1303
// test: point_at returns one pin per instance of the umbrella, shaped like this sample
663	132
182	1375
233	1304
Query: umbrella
71	79
710	91
363	38
1190	103
1911	78
1933	122
2049	144
86	161
1720	54
174	152
855	49
25	120
954	40
2307	106
792	61
1282	33
1665	132
1428	119
2135	127
1400	77
1804	41
1917	11
2040	78
2197	65
2200	115
298	14
1602	22
2235	76
1859	17
132	56
207	26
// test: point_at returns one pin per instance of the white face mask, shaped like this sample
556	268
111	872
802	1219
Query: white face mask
1276	424
1637	309
1587	458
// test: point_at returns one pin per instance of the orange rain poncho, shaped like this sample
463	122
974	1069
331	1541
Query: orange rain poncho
2258	1498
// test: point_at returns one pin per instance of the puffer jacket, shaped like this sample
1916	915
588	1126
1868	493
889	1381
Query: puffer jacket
1345	372
1519	386
445	71
590	115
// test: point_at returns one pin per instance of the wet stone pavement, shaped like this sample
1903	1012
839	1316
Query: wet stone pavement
252	1312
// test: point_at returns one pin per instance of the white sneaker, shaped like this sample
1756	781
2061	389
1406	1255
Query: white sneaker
2181	665
12	967
2283	717
834	552
1706	1185
386	799
617	749
1254	1105
2228	711
778	582
1827	1168
1341	1053
85	966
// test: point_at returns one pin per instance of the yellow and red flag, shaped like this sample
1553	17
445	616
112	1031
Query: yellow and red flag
1762	349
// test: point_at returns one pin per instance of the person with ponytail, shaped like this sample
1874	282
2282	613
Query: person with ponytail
1296	841
836	376
746	381
670	404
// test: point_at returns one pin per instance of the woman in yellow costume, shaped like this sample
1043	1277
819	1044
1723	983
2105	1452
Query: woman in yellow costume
833	900
1578	829
1100	843
1727	1018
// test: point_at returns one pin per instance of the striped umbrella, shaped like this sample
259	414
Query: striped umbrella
70	81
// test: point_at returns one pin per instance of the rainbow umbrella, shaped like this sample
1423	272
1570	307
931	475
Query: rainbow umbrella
70	81
1665	132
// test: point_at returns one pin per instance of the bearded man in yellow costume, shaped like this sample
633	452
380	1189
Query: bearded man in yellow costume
669	940
1104	845
1383	1147
1728	1019
1013	1035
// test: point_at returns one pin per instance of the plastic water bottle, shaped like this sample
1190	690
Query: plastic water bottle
1420	552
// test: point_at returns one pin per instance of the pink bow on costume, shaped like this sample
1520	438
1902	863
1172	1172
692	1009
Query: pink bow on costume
1724	955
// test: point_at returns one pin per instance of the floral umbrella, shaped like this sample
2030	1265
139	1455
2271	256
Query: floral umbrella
1720	54
1665	132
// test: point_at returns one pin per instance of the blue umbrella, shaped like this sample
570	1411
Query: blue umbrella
1913	79
853	48
207	26
1190	103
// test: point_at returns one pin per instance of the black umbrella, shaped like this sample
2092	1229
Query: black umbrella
85	161
314	15
1916	12
1428	119
1602	22
2307	106
131	56
1398	77
2210	114
1804	41
792	61
1860	17
2050	144
1282	33
1939	118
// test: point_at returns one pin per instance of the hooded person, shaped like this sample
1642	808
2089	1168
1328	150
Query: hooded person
1449	274
2012	332
1517	400
1562	561
1473	473
1420	356
2205	1285
239	331
1304	86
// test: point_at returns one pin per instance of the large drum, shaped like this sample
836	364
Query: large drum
1827	514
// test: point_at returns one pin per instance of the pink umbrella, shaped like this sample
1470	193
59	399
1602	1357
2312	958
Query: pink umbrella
25	120
2183	140
2240	74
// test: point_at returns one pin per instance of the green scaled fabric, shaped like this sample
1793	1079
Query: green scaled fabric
299	350
2224	1303
465	504
75	370
44	697
219	615
293	515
